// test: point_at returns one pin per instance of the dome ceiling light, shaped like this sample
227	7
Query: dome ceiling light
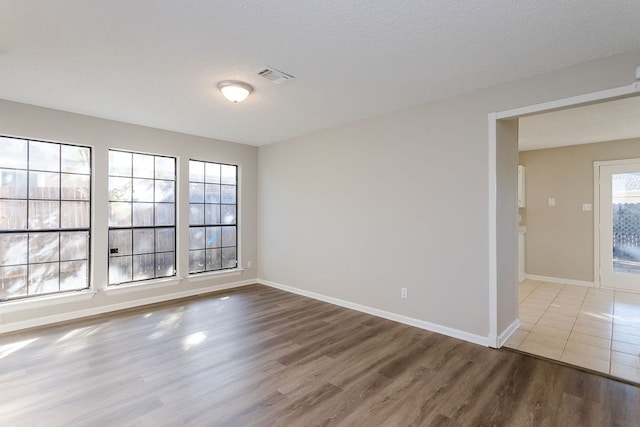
235	91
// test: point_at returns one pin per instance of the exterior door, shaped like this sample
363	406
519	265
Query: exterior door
619	230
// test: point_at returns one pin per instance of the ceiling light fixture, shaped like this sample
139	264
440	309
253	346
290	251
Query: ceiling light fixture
234	90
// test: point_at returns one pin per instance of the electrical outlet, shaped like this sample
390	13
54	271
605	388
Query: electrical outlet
586	207
249	264
403	292
551	201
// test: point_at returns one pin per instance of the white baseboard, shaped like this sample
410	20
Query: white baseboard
433	327
506	334
63	317
560	280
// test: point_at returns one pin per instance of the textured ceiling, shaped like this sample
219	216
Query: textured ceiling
156	62
607	121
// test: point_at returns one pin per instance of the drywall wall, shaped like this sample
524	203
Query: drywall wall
28	121
507	220
559	239
357	212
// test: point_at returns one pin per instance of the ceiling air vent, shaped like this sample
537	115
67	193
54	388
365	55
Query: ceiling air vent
274	75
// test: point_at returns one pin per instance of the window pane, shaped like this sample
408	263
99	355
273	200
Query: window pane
165	214
214	259
143	241
44	247
76	159
44	185
228	236
14	153
165	191
75	187
142	214
196	261
143	166
74	275
74	245
229	258
44	156
165	168
143	190
165	239
43	278
196	171
75	215
196	193
13	249
120	189
228	174
212	173
212	214
165	264
214	237
119	214
228	194
13	184
228	214
44	215
212	193
196	214
152	204
13	214
120	270
119	243
144	267
196	238
119	163
42	199
14	281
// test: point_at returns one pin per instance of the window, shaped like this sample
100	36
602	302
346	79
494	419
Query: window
45	217
213	230
142	211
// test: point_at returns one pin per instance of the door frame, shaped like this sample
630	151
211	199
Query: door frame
498	305
597	278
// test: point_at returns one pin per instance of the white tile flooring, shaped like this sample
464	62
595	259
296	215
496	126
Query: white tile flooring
598	329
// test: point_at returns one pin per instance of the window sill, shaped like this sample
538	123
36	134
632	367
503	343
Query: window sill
45	301
199	277
141	286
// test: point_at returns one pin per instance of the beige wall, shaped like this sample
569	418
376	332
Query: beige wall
507	220
27	121
359	211
559	239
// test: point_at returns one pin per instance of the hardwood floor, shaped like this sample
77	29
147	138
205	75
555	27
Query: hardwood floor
260	356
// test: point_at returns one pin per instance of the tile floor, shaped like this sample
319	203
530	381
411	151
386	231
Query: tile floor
598	329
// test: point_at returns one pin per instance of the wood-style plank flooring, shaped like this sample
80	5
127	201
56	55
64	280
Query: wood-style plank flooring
260	356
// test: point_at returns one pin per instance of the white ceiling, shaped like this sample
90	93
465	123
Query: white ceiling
156	62
607	121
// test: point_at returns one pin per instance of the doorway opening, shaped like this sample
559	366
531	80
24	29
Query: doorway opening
504	129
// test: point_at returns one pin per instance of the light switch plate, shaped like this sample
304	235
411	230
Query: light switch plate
552	201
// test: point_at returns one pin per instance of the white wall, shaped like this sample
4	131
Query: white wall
27	121
357	212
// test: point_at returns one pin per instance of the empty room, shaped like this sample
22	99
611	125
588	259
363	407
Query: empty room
307	213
